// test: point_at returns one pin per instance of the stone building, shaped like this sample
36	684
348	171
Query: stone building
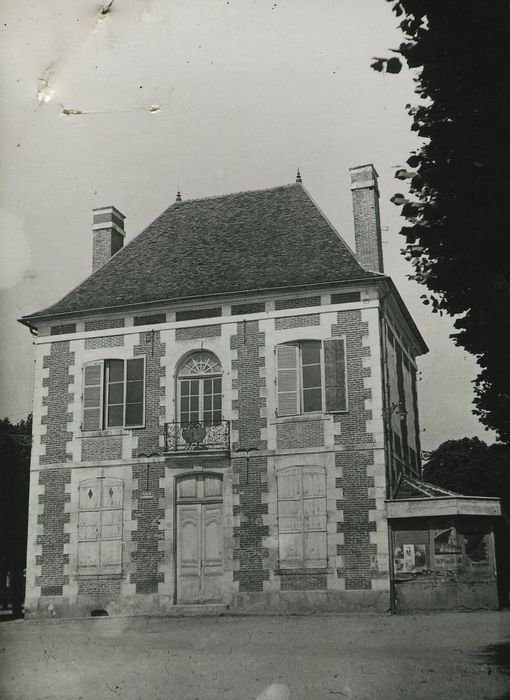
226	415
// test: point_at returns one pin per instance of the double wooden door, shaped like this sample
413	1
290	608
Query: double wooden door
199	541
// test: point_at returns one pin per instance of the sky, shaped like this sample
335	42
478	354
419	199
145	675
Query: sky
212	96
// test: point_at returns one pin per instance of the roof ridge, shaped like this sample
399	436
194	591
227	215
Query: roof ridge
233	194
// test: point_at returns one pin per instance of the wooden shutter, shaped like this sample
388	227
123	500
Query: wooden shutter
92	396
110	556
315	554
290	519
287	378
334	372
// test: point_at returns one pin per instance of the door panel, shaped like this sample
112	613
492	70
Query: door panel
212	551
188	553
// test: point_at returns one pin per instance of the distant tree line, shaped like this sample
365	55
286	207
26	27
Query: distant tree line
15	448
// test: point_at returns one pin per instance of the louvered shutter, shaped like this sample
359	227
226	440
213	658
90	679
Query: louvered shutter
92	396
287	378
334	372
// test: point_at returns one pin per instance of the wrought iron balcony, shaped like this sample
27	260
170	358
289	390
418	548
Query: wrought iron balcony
190	437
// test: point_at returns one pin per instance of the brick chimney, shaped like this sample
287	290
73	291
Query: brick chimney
367	220
108	235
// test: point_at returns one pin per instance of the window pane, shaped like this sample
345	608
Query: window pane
134	392
115	415
207	403
134	369
134	414
185	388
216	417
193	417
115	370
217	385
115	393
311	352
195	387
311	376
217	402
207	386
194	403
312	400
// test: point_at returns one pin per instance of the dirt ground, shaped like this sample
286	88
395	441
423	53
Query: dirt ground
441	655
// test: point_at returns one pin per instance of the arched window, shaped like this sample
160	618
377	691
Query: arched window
199	389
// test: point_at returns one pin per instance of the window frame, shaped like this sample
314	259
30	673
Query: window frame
180	378
104	385
297	344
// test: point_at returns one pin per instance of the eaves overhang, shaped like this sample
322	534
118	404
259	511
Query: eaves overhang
437	506
392	289
30	320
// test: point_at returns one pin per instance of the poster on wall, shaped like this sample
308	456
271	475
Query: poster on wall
447	550
410	558
476	546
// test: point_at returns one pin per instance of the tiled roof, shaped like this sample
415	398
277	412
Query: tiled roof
264	239
411	487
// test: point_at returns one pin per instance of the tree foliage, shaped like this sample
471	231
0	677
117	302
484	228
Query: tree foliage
457	214
470	467
15	448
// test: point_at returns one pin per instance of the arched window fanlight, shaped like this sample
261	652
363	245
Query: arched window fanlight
200	363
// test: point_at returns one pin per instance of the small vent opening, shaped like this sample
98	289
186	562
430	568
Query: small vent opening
99	613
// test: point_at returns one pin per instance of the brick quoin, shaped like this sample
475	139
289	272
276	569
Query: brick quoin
353	423
251	574
59	362
151	346
355	505
147	513
53	538
357	548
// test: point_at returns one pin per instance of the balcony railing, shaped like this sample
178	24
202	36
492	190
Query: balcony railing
190	437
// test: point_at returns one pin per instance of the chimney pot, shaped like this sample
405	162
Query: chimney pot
367	218
108	235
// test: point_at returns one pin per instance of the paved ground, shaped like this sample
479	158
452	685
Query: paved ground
446	655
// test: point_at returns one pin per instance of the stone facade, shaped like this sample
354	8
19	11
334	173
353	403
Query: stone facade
347	448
